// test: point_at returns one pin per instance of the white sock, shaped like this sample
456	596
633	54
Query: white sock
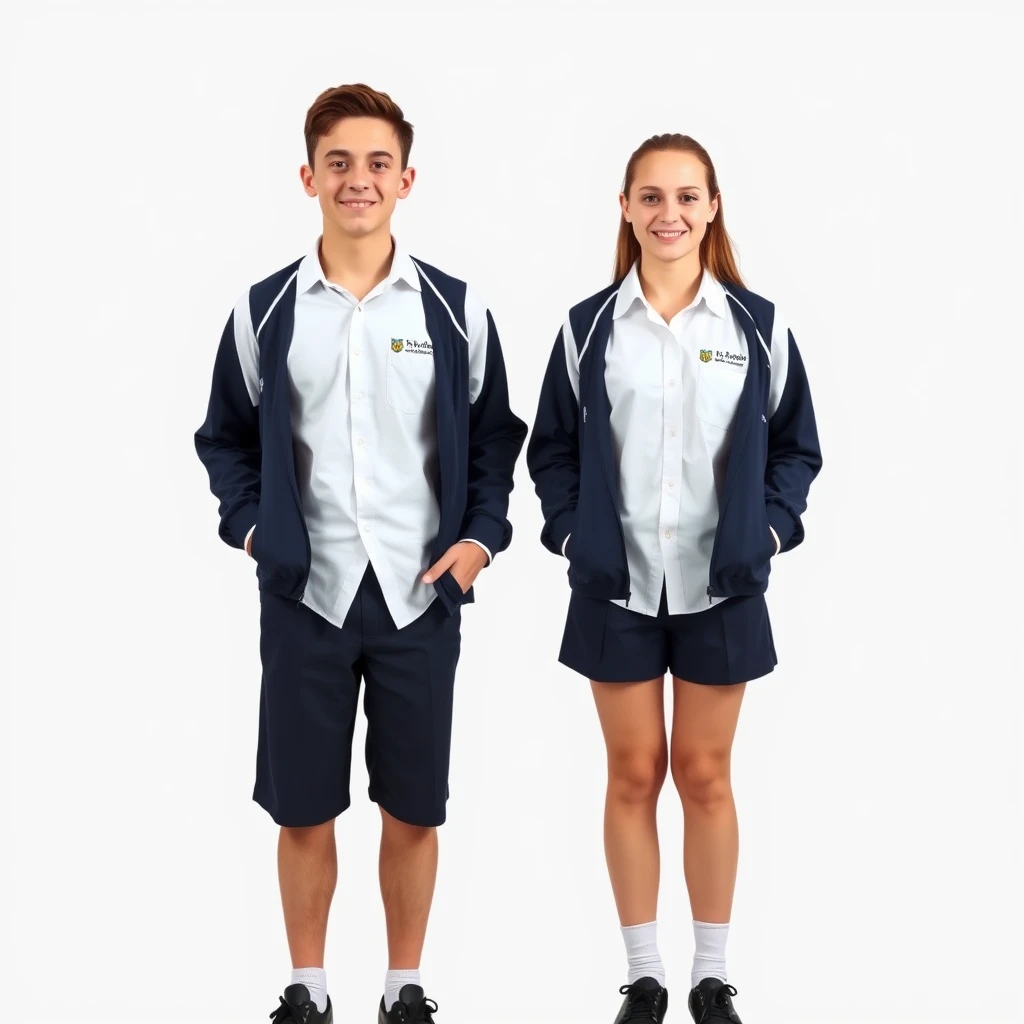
315	979
394	983
709	953
642	952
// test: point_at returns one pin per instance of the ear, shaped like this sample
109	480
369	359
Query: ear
714	209
308	183
408	177
624	206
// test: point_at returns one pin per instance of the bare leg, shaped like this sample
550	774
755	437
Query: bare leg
408	870
703	727
633	721
307	867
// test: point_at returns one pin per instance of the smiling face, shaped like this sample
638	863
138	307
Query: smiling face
668	205
357	176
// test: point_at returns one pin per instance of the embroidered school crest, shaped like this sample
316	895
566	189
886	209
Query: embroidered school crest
397	345
705	355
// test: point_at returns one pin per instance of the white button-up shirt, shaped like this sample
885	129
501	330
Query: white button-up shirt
673	389
363	422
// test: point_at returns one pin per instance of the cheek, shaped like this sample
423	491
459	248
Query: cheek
643	218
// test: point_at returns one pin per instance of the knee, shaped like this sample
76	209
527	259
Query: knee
397	831
308	836
702	779
636	777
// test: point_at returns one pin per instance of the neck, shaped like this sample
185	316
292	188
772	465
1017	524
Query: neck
357	264
670	287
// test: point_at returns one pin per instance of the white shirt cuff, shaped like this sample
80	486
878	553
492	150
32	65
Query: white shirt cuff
245	546
483	547
778	543
566	541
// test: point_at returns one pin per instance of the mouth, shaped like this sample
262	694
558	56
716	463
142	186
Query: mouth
358	204
670	236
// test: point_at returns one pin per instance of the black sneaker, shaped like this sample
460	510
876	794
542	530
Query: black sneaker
711	1000
412	1008
298	1007
645	1000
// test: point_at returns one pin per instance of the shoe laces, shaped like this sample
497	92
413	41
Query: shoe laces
285	1013
643	1003
721	1005
422	1013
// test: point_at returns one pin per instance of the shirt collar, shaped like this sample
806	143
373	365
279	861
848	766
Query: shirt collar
311	272
710	290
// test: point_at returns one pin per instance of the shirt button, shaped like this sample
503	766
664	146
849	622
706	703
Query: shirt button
672	433
670	484
671	381
368	527
362	441
668	533
358	396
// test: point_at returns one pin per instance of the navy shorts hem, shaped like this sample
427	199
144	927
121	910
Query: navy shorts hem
286	820
585	667
409	815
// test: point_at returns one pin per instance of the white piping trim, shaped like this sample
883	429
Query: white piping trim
458	326
594	324
767	350
572	364
277	299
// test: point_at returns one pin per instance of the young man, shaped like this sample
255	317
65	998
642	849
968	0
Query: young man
360	441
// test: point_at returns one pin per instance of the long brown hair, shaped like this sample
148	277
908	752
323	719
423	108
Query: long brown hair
354	101
716	250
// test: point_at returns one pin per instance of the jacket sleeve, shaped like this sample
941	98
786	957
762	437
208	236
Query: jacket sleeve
228	442
496	435
794	457
553	454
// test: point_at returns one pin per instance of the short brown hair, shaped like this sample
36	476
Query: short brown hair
354	101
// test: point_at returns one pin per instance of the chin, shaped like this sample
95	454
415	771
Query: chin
357	230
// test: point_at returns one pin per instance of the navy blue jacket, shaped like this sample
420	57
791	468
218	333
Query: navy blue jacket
249	454
771	463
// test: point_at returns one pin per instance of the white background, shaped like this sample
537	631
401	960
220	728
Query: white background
869	159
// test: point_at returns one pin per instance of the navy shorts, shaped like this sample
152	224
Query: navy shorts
312	673
730	642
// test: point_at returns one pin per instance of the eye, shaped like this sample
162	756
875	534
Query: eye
694	198
337	163
649	195
381	165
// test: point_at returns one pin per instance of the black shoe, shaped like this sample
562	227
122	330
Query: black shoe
412	1008
711	1000
645	1000
298	1007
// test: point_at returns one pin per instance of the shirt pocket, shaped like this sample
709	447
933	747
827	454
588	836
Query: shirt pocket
719	386
410	379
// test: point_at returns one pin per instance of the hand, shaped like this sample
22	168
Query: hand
248	543
464	559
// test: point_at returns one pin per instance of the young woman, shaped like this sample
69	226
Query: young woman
673	451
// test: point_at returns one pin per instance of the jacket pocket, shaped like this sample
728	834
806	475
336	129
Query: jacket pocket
744	562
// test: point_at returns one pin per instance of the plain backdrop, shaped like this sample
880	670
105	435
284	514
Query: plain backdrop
870	164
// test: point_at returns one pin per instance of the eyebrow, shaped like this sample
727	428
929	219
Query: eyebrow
345	152
654	188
